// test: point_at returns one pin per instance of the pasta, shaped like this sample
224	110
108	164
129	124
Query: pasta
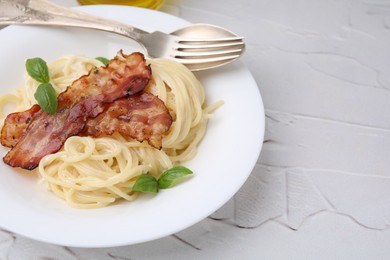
95	172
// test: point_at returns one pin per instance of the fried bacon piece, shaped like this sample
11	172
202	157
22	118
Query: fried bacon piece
142	117
85	98
15	126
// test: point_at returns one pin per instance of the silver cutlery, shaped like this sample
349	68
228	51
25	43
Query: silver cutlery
198	46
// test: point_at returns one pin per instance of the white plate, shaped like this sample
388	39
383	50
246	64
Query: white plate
225	159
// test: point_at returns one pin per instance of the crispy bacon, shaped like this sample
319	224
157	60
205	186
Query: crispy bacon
142	117
15	126
85	98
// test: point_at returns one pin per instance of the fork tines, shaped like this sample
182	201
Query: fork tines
209	50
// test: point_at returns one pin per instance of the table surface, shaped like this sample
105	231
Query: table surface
321	186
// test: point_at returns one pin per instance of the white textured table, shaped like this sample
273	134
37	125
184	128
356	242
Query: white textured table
321	187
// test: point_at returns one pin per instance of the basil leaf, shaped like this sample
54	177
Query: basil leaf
38	70
145	183
169	177
46	97
105	61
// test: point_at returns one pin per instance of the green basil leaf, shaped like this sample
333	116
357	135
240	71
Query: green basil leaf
46	97
169	177
105	61
146	183
38	70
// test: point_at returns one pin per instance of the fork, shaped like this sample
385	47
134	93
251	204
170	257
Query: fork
198	46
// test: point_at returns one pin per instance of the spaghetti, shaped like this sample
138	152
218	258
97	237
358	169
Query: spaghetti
95	172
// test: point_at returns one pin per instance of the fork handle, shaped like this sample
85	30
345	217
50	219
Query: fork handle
43	12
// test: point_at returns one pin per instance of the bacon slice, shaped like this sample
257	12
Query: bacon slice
15	126
142	117
85	98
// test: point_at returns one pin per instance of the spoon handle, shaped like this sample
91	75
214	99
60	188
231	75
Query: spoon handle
43	12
